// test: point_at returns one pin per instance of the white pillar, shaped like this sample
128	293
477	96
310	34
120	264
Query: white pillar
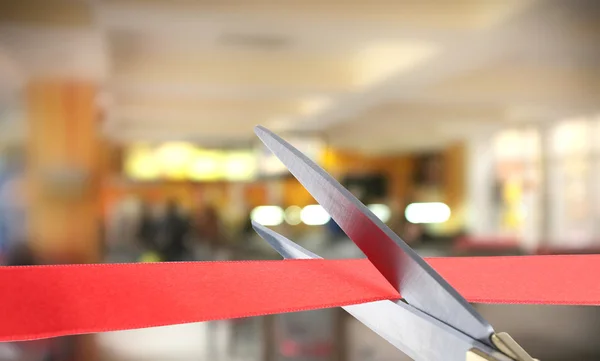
595	178
550	189
480	178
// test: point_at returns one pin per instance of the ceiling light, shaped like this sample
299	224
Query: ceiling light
434	212
381	211
314	215
267	215
293	215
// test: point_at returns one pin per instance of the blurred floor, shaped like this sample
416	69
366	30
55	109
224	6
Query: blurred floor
192	342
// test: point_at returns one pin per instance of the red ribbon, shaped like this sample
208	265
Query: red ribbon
48	301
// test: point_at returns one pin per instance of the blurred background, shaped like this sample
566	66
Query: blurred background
126	135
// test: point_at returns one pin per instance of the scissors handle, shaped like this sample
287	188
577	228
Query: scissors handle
506	344
476	355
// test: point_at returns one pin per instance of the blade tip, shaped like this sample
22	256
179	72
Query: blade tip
259	228
259	129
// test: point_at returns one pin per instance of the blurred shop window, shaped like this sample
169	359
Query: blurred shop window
429	189
368	187
517	174
572	183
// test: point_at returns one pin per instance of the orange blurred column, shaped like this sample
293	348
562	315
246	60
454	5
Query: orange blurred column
63	170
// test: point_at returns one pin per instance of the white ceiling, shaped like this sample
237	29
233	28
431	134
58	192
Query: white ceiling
377	76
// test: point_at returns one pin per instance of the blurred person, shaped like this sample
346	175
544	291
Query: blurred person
247	230
412	233
173	229
147	234
122	230
12	206
147	228
208	227
209	230
397	221
20	255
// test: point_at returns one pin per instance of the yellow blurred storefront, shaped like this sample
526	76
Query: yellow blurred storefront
237	180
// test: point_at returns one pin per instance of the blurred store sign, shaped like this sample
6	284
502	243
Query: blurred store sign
187	162
182	161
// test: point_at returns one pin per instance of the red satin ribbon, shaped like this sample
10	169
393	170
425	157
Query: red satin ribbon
48	301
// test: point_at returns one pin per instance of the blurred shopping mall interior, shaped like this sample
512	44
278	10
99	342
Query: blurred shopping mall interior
468	127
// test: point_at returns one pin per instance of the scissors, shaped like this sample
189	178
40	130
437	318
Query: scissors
433	322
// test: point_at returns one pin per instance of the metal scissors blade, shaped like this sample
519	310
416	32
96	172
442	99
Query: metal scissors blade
415	333
416	281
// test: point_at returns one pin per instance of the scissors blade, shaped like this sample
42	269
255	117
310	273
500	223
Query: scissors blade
416	281
418	335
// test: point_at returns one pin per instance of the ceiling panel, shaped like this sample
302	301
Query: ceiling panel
208	105
381	75
523	84
432	112
464	14
270	72
57	52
